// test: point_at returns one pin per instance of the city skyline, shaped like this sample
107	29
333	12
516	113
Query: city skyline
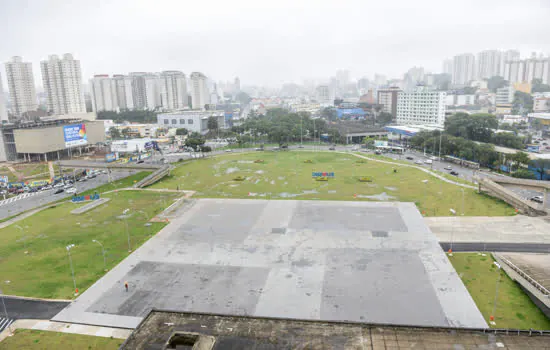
266	47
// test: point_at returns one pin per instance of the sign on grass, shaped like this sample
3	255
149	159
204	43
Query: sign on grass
90	197
322	174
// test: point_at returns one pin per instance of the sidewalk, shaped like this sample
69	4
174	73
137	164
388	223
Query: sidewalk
45	325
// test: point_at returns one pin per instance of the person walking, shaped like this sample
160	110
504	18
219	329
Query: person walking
126	285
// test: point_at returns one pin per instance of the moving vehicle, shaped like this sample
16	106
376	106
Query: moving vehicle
448	167
47	187
428	161
332	148
58	185
418	162
454	173
71	190
59	190
140	161
537	199
228	150
258	149
377	152
409	158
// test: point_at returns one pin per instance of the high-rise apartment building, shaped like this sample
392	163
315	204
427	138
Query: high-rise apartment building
103	92
124	92
324	95
463	68
388	99
21	86
237	85
62	80
508	55
3	111
448	67
146	90
173	86
488	63
421	106
200	96
517	71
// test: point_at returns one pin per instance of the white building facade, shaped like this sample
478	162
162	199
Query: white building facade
124	92
193	121
421	106
103	91
505	96
62	80
3	111
21	86
200	95
463	69
173	90
488	64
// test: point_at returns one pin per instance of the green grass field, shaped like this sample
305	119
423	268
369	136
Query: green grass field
284	175
33	257
514	308
32	339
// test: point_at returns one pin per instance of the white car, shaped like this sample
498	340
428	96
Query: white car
448	167
71	190
58	185
428	161
418	162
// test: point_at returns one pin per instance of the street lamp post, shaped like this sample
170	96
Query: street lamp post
69	247
102	252
126	225
147	224
453	213
462	189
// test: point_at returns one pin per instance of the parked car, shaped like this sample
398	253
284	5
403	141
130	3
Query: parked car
71	190
59	190
377	152
47	187
537	199
58	185
140	161
448	167
418	162
454	173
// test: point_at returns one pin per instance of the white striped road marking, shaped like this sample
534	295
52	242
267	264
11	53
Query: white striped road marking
16	198
5	323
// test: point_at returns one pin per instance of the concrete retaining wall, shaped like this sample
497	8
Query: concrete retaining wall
509	197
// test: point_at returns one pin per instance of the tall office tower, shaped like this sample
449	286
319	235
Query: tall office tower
3	112
388	99
21	86
62	80
448	66
173	87
421	107
488	63
199	95
103	92
323	94
124	92
508	55
463	68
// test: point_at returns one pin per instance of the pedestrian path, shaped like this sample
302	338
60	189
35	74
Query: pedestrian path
5	323
16	198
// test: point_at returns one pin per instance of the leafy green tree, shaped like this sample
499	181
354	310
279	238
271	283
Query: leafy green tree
524	174
536	124
114	133
206	149
194	140
212	123
523	103
329	114
506	139
126	132
182	131
384	118
538	86
496	82
243	98
475	127
521	158
541	166
369	142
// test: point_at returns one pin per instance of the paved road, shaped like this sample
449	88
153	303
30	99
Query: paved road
496	247
17	308
45	197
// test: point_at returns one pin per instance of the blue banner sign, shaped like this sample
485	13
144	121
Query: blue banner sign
90	197
75	135
110	157
322	174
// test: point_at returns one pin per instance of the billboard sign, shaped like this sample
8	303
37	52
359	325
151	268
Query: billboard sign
110	157
4	179
148	145
90	197
380	143
75	135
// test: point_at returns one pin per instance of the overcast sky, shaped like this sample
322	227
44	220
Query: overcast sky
267	42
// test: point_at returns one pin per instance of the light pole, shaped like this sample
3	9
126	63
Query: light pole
126	225
453	213
462	189
147	224
69	247
492	317
102	252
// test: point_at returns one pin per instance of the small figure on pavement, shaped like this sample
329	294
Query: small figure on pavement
126	285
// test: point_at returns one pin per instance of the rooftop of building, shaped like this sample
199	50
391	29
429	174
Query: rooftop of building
182	330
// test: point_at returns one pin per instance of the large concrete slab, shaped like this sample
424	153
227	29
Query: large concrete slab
321	260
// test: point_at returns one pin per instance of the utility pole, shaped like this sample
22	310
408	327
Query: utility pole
69	247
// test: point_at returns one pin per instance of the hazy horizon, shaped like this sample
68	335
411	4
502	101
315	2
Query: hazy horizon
267	43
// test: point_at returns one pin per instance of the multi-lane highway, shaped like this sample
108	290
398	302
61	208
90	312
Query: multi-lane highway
38	199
